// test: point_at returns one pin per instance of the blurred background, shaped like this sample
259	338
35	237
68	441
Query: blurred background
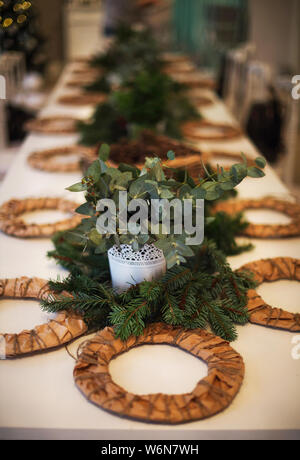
250	47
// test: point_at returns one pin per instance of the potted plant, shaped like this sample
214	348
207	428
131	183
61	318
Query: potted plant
151	219
199	287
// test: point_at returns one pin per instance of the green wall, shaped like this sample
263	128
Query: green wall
195	28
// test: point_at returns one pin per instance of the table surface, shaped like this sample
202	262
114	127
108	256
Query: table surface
38	398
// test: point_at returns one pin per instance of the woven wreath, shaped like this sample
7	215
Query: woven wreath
47	160
211	395
82	99
87	72
292	210
193	80
64	328
202	101
82	60
279	268
172	58
79	82
190	130
12	224
52	125
182	67
215	154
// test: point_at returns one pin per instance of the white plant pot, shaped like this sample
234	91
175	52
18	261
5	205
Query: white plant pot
128	267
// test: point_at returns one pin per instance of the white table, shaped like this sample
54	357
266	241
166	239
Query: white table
38	398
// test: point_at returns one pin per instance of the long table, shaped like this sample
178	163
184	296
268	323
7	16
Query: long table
38	397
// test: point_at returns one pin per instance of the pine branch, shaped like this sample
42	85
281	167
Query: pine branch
204	291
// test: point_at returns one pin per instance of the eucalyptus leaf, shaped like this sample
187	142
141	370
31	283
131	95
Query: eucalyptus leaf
255	172
79	187
171	155
104	152
138	189
86	209
95	237
261	162
94	171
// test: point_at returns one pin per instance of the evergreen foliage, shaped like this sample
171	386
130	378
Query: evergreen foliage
131	52
204	292
150	99
198	290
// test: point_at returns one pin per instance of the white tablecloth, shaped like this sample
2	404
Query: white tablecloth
38	397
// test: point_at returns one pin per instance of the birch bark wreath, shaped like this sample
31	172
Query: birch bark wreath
12	224
82	98
64	328
52	125
193	80
292	210
279	268
202	101
48	160
214	157
211	395
219	132
87	72
174	58
80	82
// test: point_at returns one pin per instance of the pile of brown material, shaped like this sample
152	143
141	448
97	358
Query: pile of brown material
149	144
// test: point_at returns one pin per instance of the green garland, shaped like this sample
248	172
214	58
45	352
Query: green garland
131	51
150	100
203	292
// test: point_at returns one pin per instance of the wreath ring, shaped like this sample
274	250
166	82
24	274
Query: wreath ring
278	268
215	154
194	81
190	131
211	395
12	224
46	160
52	125
202	101
82	99
292	210
64	328
79	83
87	72
174	58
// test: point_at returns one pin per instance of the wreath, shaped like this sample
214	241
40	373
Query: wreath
47	160
211	395
64	328
190	130
53	125
278	268
12	224
292	210
82	99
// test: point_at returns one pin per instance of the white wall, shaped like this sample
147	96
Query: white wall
274	28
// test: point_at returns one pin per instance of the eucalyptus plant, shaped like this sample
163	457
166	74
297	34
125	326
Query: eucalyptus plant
154	181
